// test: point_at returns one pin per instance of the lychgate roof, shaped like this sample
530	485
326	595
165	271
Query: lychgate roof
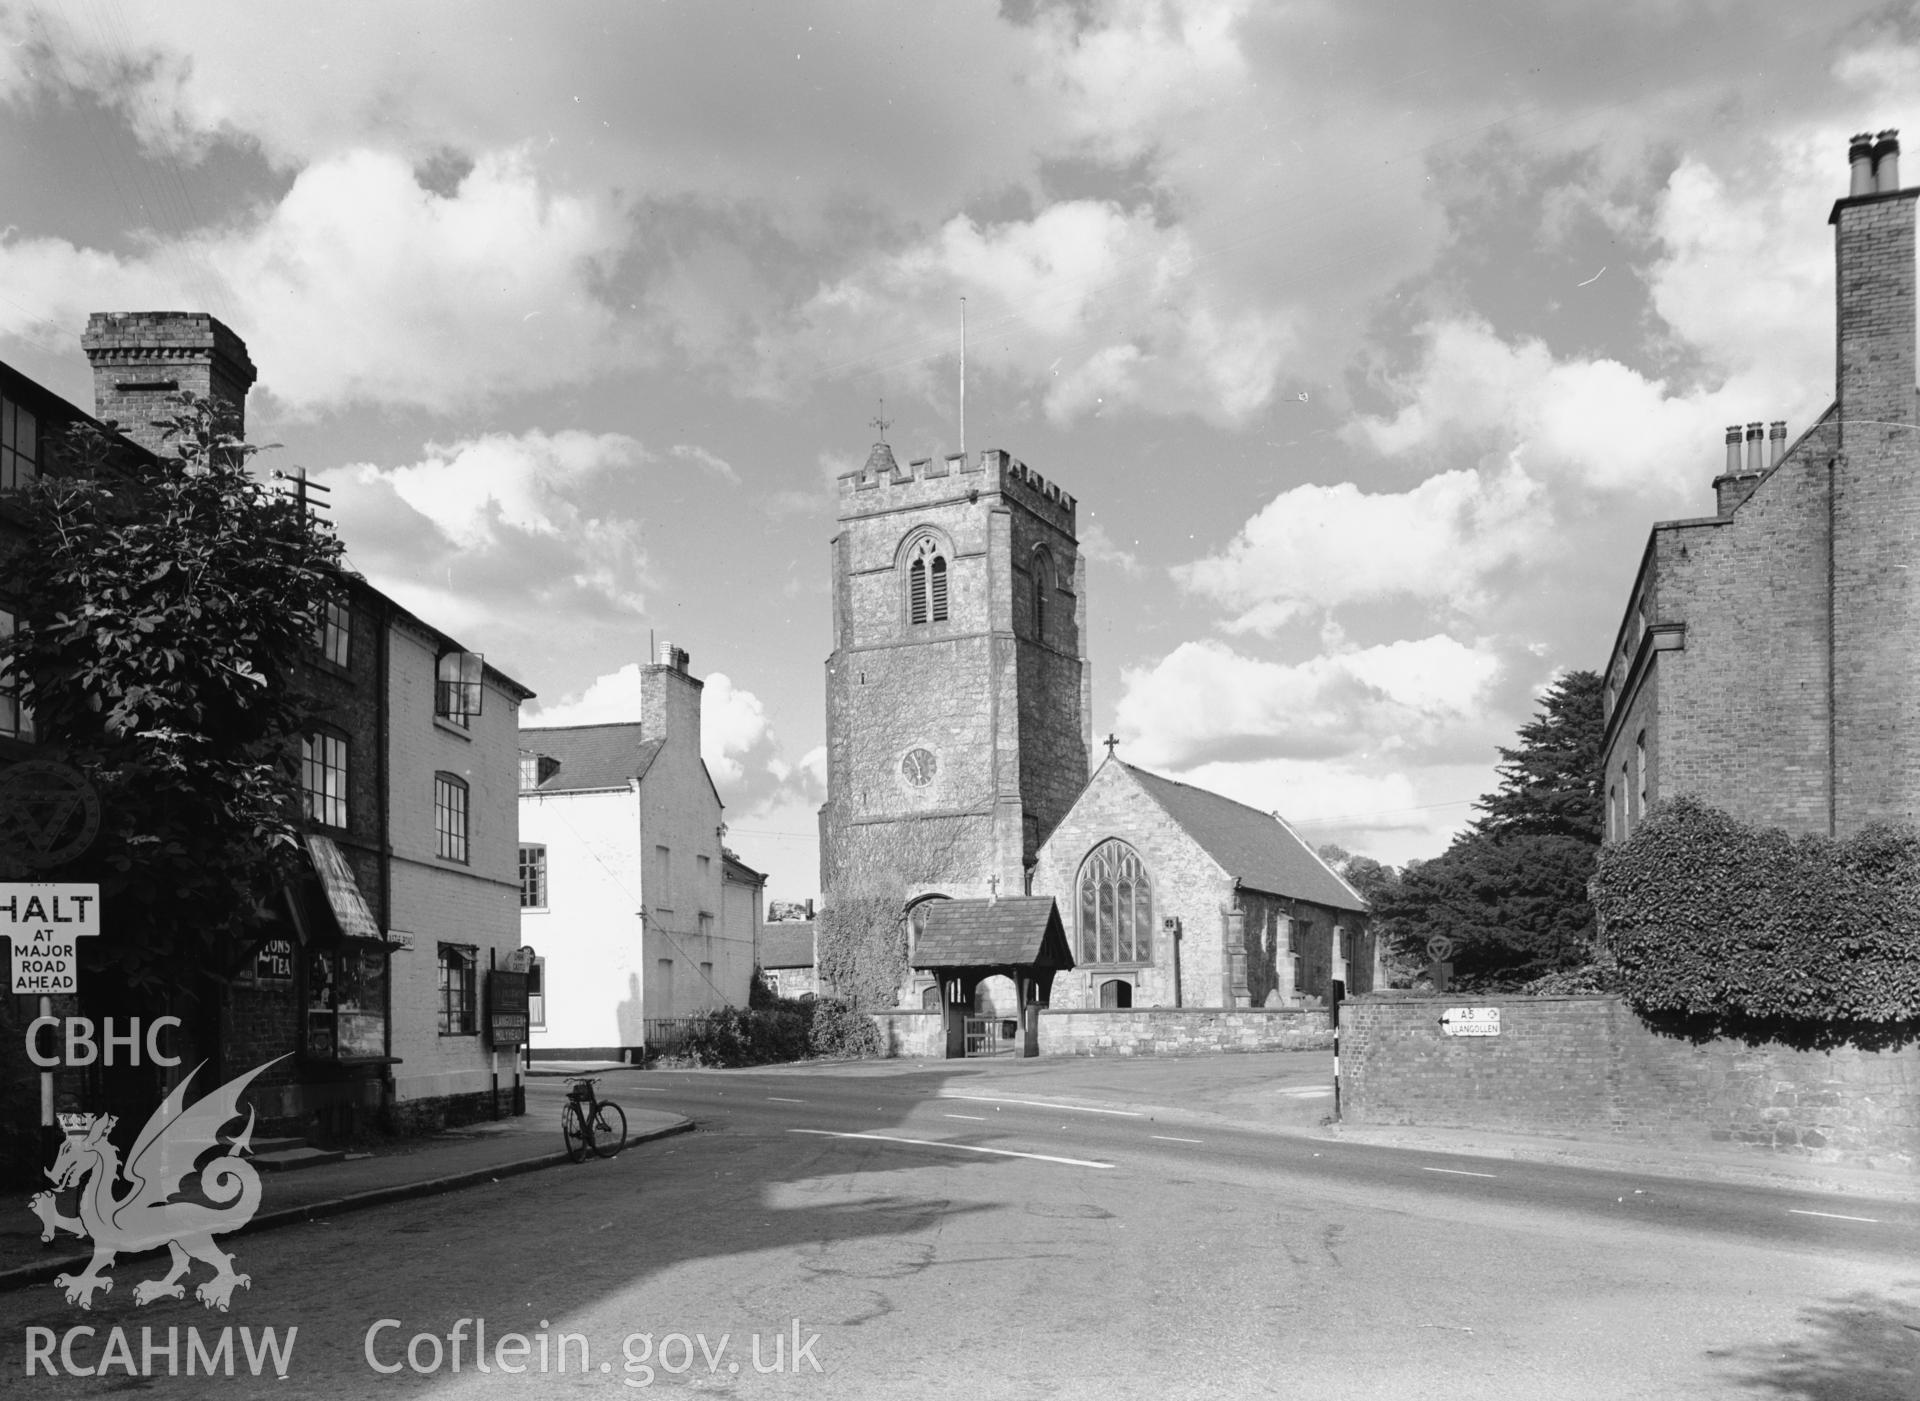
1020	930
1256	848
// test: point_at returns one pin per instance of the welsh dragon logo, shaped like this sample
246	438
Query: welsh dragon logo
150	1213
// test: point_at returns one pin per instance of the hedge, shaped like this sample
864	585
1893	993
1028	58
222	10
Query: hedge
1707	917
786	1030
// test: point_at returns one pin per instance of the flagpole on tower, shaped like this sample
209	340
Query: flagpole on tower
963	379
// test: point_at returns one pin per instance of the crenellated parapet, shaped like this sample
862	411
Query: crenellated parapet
928	479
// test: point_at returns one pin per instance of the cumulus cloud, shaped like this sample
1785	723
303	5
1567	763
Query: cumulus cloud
1095	303
510	500
1205	703
737	739
1319	547
361	287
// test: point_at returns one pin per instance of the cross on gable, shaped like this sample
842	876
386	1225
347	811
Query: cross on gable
1110	741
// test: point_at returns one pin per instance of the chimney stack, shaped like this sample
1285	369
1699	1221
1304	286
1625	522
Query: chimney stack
1886	162
142	358
1873	248
670	699
1756	449
1776	442
1860	160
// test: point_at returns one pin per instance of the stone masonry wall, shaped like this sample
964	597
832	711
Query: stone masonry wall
1577	1064
1158	1032
1184	1032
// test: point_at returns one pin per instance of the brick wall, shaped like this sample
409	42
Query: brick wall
1588	1064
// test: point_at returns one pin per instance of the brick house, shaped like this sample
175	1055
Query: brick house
625	889
1765	663
371	973
1173	896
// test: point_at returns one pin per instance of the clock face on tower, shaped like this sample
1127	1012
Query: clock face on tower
918	767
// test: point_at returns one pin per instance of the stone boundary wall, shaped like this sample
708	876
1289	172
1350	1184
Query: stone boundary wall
1586	1064
1146	1031
1181	1031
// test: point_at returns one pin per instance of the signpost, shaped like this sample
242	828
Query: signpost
1470	1021
42	920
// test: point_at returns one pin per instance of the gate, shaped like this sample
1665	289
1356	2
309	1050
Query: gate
991	1036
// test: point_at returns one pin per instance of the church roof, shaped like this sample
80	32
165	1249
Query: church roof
1022	930
1256	848
591	756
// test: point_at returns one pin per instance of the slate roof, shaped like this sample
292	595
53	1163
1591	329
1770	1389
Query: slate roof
1256	848
787	945
591	756
1022	929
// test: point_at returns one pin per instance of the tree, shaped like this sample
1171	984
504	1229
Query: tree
169	604
1511	891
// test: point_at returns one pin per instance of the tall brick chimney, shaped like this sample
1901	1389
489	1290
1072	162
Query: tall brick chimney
140	358
1874	276
1873	613
670	699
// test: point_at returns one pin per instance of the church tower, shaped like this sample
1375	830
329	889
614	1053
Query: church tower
958	706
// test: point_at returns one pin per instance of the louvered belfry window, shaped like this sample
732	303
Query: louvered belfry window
926	582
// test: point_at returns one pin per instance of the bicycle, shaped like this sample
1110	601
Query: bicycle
589	1124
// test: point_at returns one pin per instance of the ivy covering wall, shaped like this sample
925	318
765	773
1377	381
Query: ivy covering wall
1708	918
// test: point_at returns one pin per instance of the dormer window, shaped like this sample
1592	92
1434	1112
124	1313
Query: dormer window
926	582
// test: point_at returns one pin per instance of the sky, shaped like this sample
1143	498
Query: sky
1371	338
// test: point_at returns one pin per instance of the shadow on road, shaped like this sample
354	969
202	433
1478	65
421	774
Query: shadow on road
1857	1347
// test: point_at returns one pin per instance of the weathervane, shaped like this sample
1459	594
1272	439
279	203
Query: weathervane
881	421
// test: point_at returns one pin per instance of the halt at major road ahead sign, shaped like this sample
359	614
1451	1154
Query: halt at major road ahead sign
42	920
1471	1021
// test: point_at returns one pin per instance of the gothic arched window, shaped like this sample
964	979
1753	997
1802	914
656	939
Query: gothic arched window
1116	906
926	582
1042	573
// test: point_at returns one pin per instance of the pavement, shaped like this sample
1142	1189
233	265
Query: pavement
391	1171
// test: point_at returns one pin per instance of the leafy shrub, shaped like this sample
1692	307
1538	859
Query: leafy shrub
787	1030
734	1036
842	1032
1709	918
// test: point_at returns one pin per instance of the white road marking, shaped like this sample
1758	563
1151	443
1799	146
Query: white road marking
1460	1172
1043	1104
1169	1138
957	1147
649	1089
977	1118
1308	1092
782	1099
1833	1216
